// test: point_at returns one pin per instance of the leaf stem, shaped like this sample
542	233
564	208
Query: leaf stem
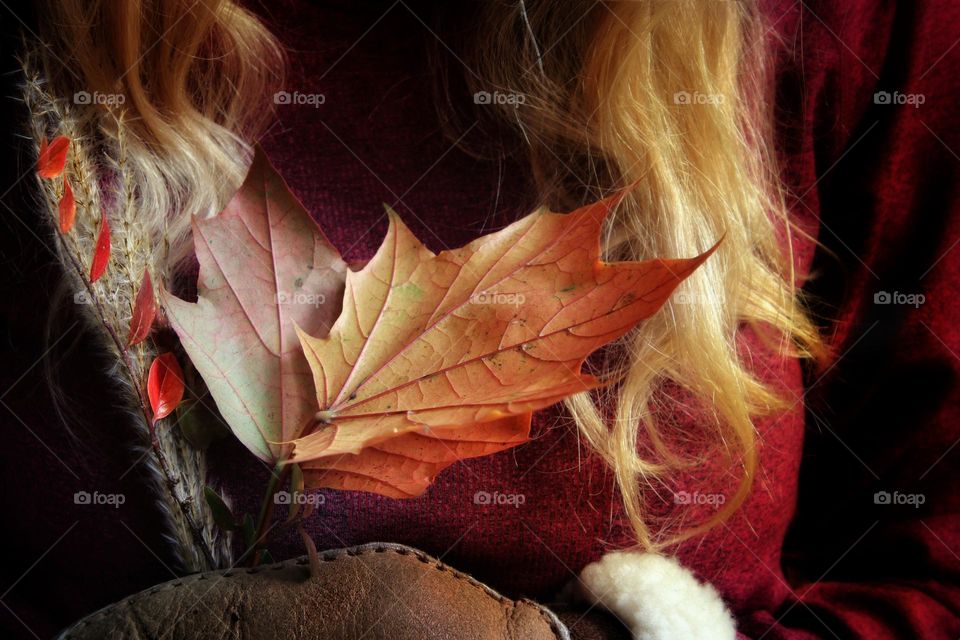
278	475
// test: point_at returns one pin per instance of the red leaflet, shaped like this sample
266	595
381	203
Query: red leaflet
52	157
68	207
144	311
102	253
164	385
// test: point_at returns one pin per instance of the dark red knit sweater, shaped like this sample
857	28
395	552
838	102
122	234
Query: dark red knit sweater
815	551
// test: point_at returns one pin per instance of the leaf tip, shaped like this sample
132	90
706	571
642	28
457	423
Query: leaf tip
52	157
67	207
101	255
144	312
164	385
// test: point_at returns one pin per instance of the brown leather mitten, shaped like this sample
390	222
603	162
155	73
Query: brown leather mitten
372	592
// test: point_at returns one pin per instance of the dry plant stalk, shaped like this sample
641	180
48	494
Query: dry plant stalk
97	167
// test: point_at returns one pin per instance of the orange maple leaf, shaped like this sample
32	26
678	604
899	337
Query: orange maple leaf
430	347
406	466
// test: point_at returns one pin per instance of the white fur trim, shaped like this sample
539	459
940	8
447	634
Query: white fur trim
656	598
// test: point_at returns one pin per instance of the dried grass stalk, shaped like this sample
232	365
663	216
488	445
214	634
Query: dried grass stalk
102	180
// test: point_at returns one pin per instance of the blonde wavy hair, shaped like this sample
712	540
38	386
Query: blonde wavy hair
671	96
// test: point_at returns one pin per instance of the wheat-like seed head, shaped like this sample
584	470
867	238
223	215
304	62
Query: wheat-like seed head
104	184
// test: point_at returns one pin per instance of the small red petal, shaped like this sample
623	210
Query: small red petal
164	385
68	207
102	253
52	157
144	311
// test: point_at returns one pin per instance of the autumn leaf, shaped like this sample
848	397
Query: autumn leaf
164	385
52	157
221	513
264	265
68	207
433	358
501	327
406	466
144	312
101	254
